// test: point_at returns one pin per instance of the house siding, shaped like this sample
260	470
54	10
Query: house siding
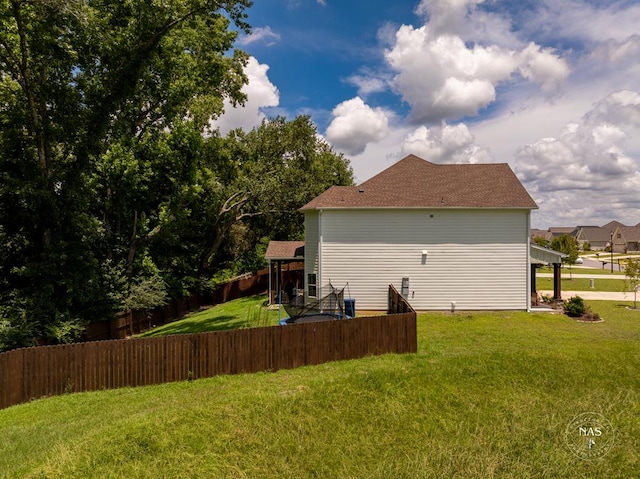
477	258
311	234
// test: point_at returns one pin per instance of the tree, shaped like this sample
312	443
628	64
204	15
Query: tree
102	102
251	186
632	277
568	245
541	241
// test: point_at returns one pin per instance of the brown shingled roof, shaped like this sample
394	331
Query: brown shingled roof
631	233
415	183
285	250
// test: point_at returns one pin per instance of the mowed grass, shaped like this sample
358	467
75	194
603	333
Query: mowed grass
487	395
584	284
249	312
568	271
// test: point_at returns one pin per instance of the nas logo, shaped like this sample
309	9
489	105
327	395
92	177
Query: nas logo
589	435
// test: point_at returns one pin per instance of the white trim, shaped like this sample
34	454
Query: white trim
270	292
528	264
319	280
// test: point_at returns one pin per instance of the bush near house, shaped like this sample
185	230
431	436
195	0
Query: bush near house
575	307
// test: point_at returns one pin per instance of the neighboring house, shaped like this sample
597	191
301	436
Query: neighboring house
626	239
553	232
544	234
456	235
615	236
598	237
556	231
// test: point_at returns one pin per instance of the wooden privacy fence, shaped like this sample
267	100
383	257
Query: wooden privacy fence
397	303
31	373
128	323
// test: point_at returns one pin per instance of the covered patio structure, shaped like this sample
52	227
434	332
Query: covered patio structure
283	281
541	256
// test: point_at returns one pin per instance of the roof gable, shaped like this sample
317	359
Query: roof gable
612	225
415	183
594	234
631	233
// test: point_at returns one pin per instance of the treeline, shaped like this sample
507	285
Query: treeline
115	191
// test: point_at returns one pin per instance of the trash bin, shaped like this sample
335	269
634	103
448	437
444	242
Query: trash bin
350	307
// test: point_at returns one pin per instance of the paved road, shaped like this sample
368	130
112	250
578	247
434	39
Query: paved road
604	262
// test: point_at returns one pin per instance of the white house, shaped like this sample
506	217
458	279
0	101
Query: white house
453	234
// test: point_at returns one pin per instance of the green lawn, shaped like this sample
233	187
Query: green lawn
487	395
583	284
566	271
248	312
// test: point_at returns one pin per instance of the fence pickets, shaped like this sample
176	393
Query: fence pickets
128	323
31	373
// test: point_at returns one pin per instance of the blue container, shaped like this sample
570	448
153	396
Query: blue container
350	307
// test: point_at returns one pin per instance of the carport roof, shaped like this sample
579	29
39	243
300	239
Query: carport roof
539	254
285	250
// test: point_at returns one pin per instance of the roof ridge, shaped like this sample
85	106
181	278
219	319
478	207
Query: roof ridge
416	183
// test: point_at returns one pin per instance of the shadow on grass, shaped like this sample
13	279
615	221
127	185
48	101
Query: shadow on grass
186	326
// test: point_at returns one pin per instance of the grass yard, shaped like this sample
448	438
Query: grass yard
583	284
488	395
249	312
566	271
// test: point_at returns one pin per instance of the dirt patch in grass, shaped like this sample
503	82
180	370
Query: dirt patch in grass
589	317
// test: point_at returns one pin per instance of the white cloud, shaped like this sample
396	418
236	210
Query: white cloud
442	75
446	16
585	20
590	171
260	34
627	50
463	97
580	159
621	107
368	83
355	124
446	144
543	67
260	93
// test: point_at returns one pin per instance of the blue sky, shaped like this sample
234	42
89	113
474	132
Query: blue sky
552	88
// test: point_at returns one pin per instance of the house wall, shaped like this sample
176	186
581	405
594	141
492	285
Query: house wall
311	231
477	258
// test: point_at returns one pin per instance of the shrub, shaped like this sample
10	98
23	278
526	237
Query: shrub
65	329
146	293
16	331
546	298
575	307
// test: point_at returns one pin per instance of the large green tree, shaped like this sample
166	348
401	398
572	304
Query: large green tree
102	106
250	188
